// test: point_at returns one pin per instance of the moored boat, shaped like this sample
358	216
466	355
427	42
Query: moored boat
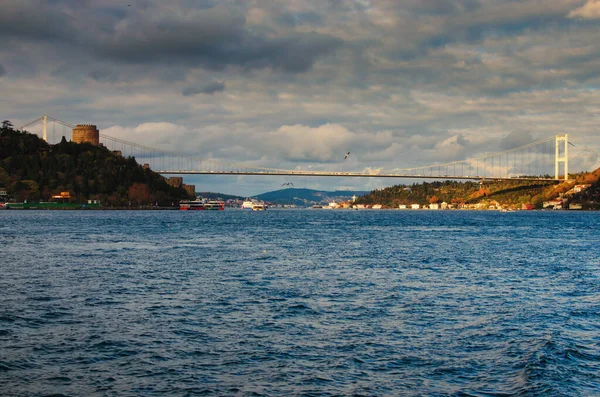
191	205
247	204
214	205
201	205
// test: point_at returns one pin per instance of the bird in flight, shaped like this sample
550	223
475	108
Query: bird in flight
346	156
287	184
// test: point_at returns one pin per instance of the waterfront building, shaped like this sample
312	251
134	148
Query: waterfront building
580	188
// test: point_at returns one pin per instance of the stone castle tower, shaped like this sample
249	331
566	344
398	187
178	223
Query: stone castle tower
86	133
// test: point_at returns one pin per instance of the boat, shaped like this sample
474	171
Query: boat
259	206
255	205
214	205
48	205
247	204
191	205
201	205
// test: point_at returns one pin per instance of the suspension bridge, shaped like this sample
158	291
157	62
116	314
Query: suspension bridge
543	160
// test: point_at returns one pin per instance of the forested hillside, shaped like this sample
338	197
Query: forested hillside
507	193
33	170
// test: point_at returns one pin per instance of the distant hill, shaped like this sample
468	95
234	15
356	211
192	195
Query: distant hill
222	196
308	197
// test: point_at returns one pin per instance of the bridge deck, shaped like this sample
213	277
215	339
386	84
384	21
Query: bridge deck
354	175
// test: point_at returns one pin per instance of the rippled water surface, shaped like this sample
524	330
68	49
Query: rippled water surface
299	302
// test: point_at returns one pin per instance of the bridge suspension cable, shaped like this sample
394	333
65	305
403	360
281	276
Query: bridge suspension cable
534	161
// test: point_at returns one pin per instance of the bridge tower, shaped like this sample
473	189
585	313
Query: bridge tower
562	156
44	132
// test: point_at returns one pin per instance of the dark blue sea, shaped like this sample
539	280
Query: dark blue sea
299	302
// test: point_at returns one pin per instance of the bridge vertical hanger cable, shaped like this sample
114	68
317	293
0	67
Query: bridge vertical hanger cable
484	166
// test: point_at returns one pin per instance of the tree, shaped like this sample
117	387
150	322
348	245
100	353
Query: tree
139	193
7	125
4	177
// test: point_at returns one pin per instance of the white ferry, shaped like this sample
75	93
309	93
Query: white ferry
247	204
259	206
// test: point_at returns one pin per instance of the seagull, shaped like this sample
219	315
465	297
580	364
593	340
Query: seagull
346	156
287	184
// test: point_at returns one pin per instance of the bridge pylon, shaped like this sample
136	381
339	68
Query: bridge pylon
561	156
44	128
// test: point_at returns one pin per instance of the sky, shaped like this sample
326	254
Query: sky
297	84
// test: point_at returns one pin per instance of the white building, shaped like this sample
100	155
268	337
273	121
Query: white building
415	206
579	188
402	206
434	206
554	204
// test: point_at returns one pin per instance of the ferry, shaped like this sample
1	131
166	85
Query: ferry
201	205
259	206
254	205
214	205
247	204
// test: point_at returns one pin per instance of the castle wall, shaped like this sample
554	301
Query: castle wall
86	133
190	189
175	181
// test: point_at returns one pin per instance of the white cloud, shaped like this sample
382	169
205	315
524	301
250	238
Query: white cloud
590	10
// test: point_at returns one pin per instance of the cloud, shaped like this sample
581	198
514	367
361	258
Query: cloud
583	158
301	18
590	10
326	143
28	19
515	139
2	70
103	75
213	38
210	88
398	83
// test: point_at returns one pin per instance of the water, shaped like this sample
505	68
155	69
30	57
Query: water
299	302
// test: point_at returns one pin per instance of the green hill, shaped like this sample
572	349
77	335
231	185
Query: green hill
220	196
33	170
512	194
